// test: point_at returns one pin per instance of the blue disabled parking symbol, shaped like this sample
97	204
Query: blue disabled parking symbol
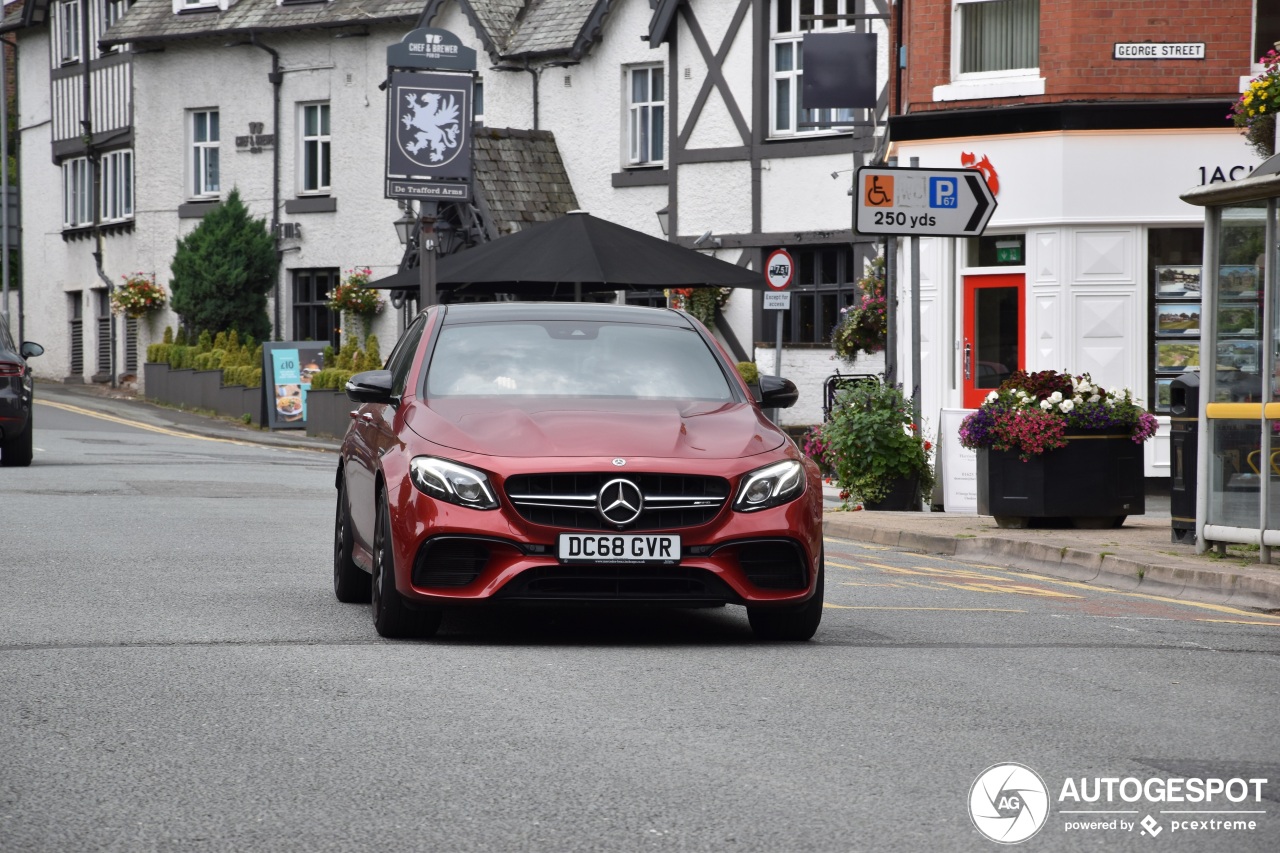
943	192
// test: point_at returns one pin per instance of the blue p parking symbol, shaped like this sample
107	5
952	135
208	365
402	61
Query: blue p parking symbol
943	192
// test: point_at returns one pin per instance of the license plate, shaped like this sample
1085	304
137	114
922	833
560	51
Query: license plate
619	549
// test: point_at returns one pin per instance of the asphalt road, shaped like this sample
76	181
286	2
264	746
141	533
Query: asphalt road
175	675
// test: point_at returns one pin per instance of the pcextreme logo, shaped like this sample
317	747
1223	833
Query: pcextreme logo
1009	803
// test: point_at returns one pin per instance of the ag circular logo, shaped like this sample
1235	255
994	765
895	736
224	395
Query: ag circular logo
1008	803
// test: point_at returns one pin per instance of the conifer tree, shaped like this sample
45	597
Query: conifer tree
223	271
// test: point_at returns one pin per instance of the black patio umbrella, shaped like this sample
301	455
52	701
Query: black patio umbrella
577	252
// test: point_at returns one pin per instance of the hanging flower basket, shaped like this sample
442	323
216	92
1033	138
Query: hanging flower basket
1255	112
701	302
138	297
354	296
864	326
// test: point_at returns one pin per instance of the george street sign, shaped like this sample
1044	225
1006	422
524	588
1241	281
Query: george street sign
922	202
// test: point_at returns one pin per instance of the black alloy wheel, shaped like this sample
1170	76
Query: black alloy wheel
392	617
15	452
351	584
794	624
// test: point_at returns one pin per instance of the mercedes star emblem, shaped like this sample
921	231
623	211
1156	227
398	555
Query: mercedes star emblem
620	502
619	462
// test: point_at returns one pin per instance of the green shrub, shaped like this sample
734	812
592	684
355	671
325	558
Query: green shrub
330	379
250	377
749	372
181	339
159	353
329	355
372	357
168	334
220	341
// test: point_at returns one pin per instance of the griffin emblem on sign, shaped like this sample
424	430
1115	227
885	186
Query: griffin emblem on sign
436	123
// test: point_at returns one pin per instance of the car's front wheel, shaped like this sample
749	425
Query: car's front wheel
797	623
392	617
15	452
351	584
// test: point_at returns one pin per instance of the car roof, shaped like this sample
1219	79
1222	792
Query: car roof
514	312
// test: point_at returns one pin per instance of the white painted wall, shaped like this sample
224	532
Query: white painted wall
1085	201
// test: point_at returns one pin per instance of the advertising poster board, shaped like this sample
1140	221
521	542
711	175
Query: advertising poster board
287	368
959	464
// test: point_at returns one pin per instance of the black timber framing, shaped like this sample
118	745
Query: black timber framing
756	147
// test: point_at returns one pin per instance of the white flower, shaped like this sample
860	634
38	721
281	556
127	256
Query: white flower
1055	397
1023	394
1095	398
1046	405
992	397
1077	399
1066	406
1083	385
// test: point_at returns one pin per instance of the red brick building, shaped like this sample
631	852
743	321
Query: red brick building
1089	119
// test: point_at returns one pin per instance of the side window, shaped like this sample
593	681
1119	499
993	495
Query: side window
314	140
401	358
204	153
998	36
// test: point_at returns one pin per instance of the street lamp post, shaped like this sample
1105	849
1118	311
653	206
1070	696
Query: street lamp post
427	255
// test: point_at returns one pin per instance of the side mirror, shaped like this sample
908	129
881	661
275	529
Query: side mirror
371	386
30	349
777	393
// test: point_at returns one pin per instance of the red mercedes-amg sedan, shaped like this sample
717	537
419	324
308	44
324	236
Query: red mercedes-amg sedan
569	452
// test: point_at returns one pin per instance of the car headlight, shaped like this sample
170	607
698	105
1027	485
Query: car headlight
449	481
770	486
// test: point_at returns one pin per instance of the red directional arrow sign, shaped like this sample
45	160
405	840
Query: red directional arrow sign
922	202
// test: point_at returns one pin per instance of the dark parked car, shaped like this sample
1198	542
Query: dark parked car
15	399
526	452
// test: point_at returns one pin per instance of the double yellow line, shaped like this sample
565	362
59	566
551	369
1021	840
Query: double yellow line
102	416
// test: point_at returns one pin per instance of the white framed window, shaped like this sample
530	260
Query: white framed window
66	45
787	26
115	10
117	186
997	36
995	50
1266	29
204	154
188	5
646	115
314	139
77	193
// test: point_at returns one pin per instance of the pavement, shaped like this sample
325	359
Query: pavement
1139	556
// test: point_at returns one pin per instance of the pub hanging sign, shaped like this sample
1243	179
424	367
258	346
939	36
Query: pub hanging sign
429	117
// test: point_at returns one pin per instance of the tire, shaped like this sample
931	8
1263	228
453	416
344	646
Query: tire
791	624
351	584
16	452
392	617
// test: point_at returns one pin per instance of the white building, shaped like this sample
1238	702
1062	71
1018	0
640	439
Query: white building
691	109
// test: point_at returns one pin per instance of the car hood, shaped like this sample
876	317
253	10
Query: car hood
511	426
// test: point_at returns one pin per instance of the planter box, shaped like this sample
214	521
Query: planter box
208	383
155	381
328	413
253	404
904	496
1095	481
183	390
231	401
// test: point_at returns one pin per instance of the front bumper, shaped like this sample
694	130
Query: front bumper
447	554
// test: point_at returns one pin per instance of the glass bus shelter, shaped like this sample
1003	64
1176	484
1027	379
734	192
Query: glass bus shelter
1238	454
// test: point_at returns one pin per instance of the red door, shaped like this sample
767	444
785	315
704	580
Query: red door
994	333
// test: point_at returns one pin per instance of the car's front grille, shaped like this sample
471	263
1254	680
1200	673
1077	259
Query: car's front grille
449	562
568	501
772	563
619	583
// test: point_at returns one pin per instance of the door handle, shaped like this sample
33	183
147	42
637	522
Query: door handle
968	361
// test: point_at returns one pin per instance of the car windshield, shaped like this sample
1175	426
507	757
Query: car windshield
574	359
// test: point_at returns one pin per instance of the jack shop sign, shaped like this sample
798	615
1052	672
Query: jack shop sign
428	134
